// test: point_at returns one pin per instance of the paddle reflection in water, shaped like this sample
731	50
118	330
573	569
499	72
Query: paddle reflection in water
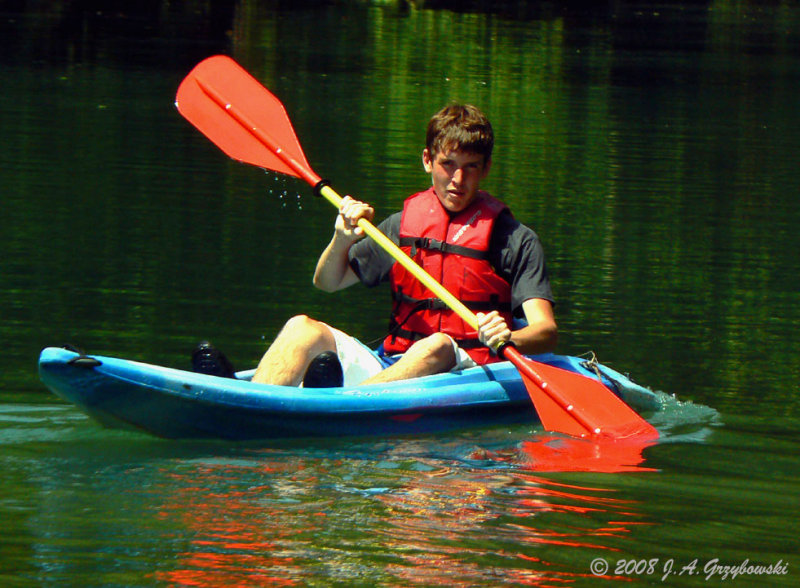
275	519
563	454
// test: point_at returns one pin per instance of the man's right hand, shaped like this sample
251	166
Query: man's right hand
350	211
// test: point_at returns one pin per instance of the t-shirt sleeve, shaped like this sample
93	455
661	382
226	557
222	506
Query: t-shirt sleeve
368	259
518	256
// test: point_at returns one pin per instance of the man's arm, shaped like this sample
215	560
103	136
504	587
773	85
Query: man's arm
539	336
333	271
519	258
541	333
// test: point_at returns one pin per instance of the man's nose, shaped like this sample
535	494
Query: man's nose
458	175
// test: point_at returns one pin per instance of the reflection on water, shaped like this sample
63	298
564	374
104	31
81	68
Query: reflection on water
278	519
559	454
438	515
236	537
477	508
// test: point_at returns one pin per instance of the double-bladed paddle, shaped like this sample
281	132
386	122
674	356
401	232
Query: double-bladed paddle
250	124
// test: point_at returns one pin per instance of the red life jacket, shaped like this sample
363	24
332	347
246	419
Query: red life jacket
454	250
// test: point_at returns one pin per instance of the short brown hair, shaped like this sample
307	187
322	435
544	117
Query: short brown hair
461	127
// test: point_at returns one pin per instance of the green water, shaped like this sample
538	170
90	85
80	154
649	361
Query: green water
652	146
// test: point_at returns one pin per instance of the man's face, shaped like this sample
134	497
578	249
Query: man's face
456	176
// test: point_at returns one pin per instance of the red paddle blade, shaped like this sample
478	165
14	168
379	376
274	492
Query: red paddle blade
575	405
242	117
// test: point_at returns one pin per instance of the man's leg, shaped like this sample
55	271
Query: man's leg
432	355
301	340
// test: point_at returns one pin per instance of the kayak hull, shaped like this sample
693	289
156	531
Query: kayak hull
173	403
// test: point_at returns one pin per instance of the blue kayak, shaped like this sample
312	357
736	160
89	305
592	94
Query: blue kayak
173	403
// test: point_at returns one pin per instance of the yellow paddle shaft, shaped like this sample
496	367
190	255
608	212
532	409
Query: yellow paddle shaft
403	259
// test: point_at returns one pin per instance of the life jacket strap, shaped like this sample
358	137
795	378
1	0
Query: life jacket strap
429	244
438	304
414	336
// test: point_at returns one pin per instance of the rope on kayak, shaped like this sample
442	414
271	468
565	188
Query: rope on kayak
593	365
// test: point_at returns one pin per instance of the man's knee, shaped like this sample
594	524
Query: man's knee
303	323
440	347
299	321
304	327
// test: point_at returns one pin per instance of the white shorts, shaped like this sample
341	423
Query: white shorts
359	362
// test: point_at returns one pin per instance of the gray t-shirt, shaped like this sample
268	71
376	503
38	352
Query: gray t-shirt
515	253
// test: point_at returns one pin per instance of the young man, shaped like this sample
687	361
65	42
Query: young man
464	238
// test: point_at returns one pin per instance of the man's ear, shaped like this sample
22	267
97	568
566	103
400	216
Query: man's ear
427	161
